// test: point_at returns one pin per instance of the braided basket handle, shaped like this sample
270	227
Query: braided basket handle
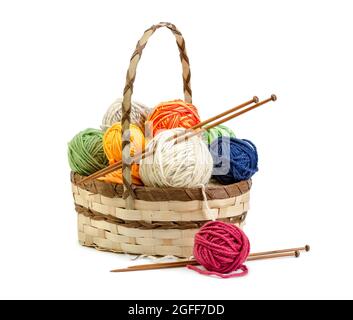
128	90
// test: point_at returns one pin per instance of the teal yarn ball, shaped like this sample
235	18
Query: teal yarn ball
217	132
85	152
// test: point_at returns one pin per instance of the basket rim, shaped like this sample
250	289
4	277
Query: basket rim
213	191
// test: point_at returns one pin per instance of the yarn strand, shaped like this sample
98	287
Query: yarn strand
205	272
209	215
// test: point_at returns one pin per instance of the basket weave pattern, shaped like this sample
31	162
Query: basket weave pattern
154	227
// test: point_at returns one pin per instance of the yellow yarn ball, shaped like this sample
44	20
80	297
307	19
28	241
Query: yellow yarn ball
112	145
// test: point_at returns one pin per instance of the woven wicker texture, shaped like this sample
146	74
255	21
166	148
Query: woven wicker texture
128	90
154	227
213	191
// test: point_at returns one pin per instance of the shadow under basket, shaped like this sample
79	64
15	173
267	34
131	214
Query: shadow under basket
164	220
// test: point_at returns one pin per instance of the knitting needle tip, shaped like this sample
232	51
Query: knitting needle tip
256	99
273	97
307	248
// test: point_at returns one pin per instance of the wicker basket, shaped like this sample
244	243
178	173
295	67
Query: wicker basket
145	220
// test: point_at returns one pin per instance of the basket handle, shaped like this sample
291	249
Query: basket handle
128	90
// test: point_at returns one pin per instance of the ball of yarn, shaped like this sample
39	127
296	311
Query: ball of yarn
138	114
185	165
112	145
219	131
173	114
85	152
234	159
221	248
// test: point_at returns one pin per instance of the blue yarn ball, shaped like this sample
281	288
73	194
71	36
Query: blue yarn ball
237	156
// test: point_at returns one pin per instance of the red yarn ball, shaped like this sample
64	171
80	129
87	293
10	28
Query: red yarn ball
221	248
173	114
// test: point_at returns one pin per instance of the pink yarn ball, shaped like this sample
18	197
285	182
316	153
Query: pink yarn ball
221	248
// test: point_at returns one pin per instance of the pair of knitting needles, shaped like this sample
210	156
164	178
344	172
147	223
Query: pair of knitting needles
293	252
195	130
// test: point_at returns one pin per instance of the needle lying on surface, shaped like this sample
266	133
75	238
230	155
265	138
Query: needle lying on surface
293	252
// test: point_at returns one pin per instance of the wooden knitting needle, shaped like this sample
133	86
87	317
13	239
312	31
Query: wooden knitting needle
255	99
306	248
118	164
188	136
155	266
252	256
184	136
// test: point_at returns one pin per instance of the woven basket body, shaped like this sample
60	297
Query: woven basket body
145	220
163	222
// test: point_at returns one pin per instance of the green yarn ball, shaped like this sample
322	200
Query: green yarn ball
217	132
85	152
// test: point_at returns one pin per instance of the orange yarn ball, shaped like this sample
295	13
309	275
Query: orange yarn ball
112	146
173	114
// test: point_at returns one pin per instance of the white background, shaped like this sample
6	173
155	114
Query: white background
63	62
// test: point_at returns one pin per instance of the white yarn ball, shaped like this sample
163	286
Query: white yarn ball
138	115
186	164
